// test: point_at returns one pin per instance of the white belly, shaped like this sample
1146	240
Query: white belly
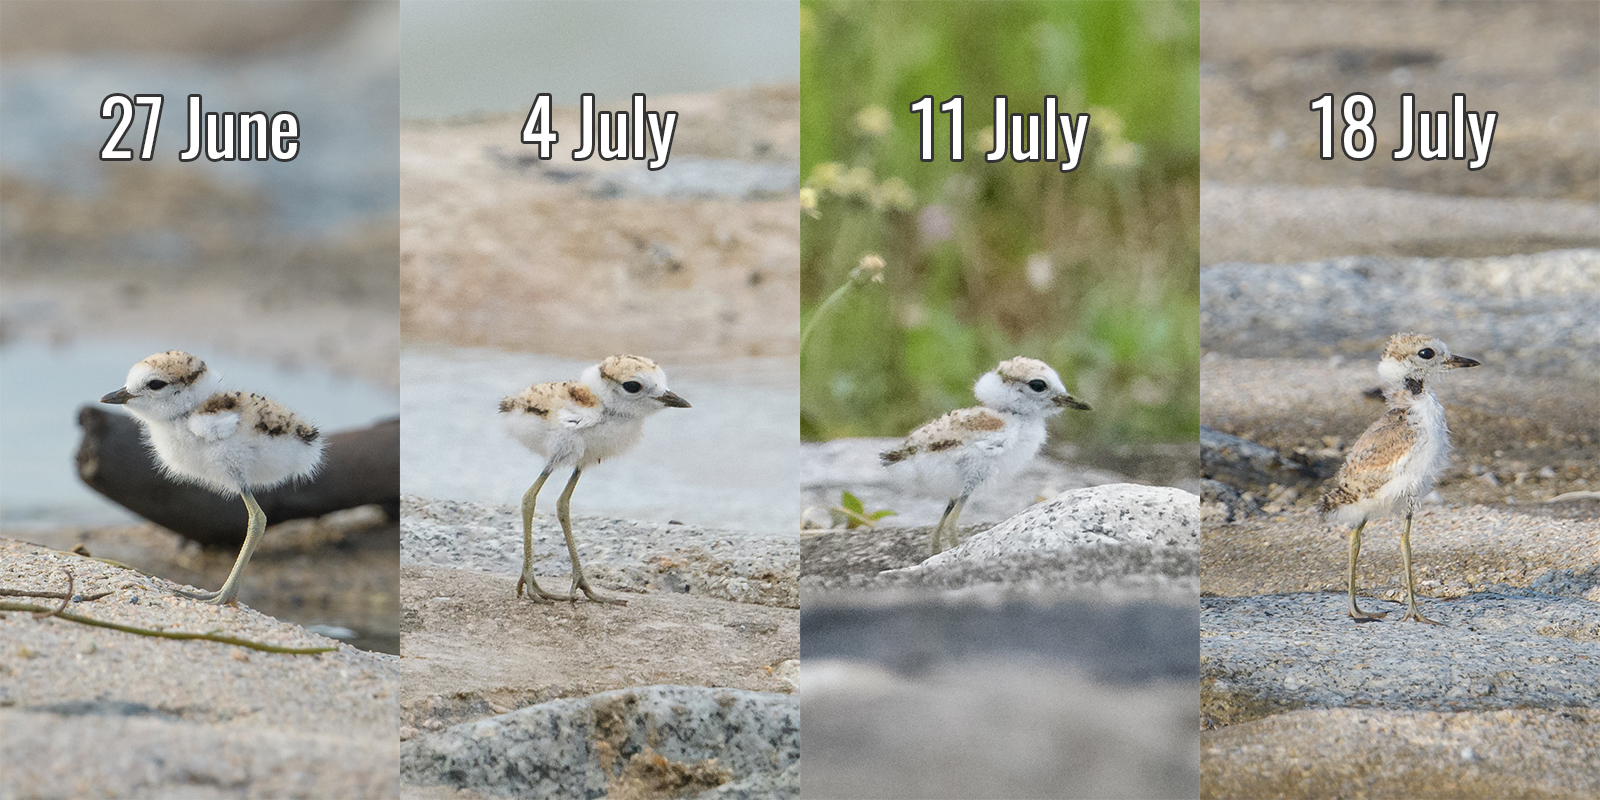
229	464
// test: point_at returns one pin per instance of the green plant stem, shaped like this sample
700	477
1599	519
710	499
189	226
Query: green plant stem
822	310
210	637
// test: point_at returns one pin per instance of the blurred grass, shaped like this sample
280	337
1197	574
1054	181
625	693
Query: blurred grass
1095	271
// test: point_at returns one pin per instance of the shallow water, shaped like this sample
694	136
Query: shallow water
348	176
46	384
730	461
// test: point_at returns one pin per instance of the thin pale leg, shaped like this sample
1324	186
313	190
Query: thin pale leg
229	594
535	593
938	530
1412	614
947	522
1355	549
564	513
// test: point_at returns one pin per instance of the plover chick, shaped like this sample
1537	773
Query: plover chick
1397	460
225	441
578	424
959	452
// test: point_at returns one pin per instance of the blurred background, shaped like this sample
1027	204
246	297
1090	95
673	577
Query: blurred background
280	275
1091	271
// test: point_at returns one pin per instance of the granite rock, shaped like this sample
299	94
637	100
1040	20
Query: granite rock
652	741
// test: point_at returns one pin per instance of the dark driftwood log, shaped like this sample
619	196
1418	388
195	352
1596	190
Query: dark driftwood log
359	467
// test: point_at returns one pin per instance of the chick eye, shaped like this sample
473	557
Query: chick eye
632	387
1426	353
156	385
1038	385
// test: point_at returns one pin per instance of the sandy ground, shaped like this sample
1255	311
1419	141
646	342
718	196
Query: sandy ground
1268	198
698	262
1534	63
1457	550
473	649
339	570
195	718
1536	436
1534	753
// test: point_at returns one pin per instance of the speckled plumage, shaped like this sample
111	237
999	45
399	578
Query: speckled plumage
961	451
226	441
576	425
1397	460
581	423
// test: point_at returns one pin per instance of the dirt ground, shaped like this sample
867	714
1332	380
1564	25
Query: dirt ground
472	649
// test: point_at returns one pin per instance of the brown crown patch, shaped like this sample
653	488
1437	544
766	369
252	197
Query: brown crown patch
1021	368
177	366
621	368
1404	345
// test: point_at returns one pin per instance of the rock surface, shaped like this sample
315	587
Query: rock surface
1368	752
474	649
334	575
653	741
195	718
1084	536
995	726
1035	640
1513	648
739	566
1121	513
711	616
1523	314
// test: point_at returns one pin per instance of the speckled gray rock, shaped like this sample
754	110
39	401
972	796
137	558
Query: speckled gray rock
1506	649
599	744
741	566
1529	314
1122	517
997	726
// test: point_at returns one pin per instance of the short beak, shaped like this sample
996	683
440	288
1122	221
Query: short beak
117	397
1457	362
1068	401
672	400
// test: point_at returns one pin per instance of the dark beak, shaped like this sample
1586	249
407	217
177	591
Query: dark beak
1457	362
117	397
673	401
1068	401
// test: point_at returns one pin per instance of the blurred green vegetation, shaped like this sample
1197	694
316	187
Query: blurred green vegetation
1095	271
